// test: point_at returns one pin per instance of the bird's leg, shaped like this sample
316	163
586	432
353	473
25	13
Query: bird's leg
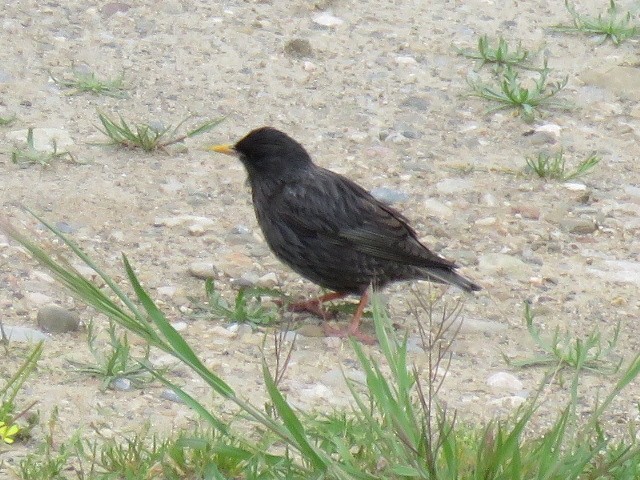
353	330
315	306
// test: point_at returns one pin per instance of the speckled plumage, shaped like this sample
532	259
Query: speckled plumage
329	229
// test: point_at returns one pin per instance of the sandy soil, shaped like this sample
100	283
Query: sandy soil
381	97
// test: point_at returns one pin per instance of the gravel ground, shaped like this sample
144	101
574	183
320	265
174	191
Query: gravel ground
374	90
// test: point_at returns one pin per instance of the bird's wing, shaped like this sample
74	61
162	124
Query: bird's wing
341	212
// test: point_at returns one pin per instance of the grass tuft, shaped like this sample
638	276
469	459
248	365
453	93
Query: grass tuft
148	138
31	156
562	350
512	93
500	55
615	25
83	82
554	166
246	307
115	361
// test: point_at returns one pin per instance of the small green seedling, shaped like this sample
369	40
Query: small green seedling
563	350
147	137
615	25
114	361
6	120
30	156
499	55
88	83
246	307
512	93
554	166
10	386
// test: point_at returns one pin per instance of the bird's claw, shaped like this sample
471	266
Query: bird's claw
314	307
350	331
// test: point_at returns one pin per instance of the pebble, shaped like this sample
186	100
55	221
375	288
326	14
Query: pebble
549	128
389	195
55	319
268	280
37	298
405	60
298	48
241	229
168	394
542	138
167	291
394	137
65	227
234	264
574	187
23	334
112	8
316	391
309	66
180	326
326	19
246	279
120	383
511	401
485	222
222	332
417	103
581	226
203	270
200	226
503	381
437	209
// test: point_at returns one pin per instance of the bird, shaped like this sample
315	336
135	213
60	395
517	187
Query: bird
329	229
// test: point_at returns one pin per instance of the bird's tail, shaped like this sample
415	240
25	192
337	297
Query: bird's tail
452	278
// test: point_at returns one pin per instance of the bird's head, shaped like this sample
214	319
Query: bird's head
267	152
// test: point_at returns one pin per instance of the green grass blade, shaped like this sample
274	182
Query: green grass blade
292	423
179	347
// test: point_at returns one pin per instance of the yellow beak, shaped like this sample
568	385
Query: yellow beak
227	149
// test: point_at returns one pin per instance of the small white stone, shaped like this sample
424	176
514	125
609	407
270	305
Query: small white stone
45	277
38	298
485	222
167	291
309	66
550	128
268	280
437	209
504	381
574	187
406	60
180	326
326	19
220	331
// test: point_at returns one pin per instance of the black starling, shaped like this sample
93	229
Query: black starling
329	229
